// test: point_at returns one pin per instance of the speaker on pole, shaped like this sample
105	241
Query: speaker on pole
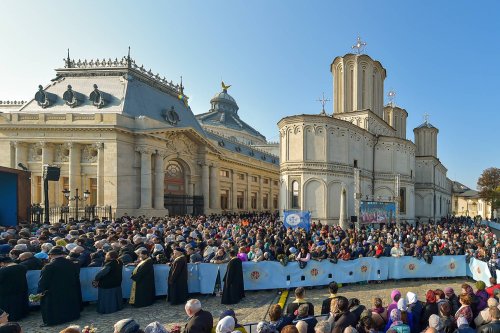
50	173
354	219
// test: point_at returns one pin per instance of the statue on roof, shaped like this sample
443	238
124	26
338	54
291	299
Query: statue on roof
225	87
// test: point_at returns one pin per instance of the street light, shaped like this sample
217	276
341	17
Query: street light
76	198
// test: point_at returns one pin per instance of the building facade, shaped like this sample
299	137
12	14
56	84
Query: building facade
129	138
329	164
466	202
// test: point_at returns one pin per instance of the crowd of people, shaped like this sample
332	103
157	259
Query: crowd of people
61	249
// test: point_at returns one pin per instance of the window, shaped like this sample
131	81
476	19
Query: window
241	176
295	194
275	183
402	200
355	163
240	199
254	179
275	202
93	192
411	173
224	199
224	173
266	180
38	190
253	200
265	200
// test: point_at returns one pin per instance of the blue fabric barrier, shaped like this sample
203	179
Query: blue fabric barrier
442	266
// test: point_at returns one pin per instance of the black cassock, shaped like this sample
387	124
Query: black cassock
60	281
14	291
178	281
234	289
143	285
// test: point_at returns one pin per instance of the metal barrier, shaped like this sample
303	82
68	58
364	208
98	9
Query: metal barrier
64	213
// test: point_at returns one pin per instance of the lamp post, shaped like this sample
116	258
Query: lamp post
76	198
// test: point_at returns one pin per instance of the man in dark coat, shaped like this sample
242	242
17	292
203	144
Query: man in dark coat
178	278
60	285
13	289
30	262
143	285
234	289
200	321
109	282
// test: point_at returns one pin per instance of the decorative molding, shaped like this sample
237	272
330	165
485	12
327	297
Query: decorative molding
89	154
62	152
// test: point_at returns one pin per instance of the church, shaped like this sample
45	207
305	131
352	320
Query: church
331	164
129	141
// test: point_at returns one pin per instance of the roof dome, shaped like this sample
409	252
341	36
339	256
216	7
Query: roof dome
222	101
223	95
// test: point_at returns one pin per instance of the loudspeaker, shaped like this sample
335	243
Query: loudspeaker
354	219
52	173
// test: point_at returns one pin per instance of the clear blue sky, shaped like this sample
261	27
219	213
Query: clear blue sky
442	57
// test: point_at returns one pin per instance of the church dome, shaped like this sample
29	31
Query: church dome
223	96
222	101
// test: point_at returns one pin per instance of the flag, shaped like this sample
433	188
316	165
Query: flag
297	219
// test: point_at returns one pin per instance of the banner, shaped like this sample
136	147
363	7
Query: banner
442	266
297	219
378	212
263	275
479	271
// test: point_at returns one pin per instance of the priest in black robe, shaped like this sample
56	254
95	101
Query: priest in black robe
60	286
234	288
143	291
13	289
178	278
109	282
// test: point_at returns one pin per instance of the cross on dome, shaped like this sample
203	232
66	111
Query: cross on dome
323	101
359	46
426	117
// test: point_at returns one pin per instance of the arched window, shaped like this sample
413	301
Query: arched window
174	179
295	194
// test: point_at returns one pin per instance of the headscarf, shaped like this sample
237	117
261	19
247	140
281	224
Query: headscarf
263	327
436	322
430	297
396	317
411	297
402	306
394	293
229	312
448	291
128	325
225	325
480	285
155	327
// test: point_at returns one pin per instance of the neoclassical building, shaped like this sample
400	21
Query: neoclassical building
330	164
130	138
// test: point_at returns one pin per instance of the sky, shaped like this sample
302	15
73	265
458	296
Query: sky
442	57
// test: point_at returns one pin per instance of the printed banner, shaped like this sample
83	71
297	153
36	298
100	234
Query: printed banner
479	271
297	219
263	275
442	266
378	212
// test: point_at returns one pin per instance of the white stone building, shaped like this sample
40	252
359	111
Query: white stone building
321	156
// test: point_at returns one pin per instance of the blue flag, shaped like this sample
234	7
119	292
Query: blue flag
297	219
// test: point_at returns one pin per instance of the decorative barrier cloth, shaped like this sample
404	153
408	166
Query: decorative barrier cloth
272	275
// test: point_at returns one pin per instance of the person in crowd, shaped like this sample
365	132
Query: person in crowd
356	308
128	325
463	326
277	319
234	288
481	295
494	285
11	327
379	314
396	250
301	325
484	317
344	317
465	309
473	299
155	327
436	323
194	256
28	260
13	289
397	324
143	281
440	297
178	278
303	257
429	308
109	285
323	326
264	327
291	308
200	321
446	317
416	308
333	289
231	313
290	329
4	317
395	296
59	286
225	325
452	299
494	325
303	316
221	257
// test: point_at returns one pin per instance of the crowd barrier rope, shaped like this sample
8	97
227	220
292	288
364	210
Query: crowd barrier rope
202	278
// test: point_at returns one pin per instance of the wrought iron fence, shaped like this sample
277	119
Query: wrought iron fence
65	213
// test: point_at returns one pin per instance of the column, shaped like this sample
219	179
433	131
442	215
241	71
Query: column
205	175
21	154
249	194
74	173
100	173
214	188
260	195
234	187
145	177
47	159
270	199
159	198
342	221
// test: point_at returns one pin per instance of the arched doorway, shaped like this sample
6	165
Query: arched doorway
176	197
175	182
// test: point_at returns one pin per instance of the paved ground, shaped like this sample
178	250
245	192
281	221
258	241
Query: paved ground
252	309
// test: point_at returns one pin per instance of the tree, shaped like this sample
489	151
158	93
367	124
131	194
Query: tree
489	187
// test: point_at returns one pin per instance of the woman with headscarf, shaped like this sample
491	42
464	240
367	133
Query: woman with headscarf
406	316
395	296
482	296
155	327
452	299
415	307
231	313
436	323
474	301
397	324
429	309
225	325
